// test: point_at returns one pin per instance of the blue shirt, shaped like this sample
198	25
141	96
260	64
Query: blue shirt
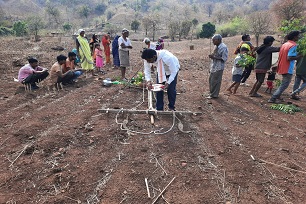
292	53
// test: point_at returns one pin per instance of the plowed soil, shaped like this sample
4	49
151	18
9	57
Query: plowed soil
57	147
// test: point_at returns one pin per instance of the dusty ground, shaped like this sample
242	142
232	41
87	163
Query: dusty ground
57	148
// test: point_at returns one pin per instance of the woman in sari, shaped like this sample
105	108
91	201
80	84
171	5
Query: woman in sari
84	52
106	44
115	52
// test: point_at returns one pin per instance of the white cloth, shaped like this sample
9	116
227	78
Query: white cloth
126	43
236	68
166	63
152	46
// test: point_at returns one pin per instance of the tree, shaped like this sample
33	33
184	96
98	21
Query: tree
146	23
195	23
208	30
84	11
135	25
288	26
289	9
260	23
20	28
109	14
54	14
150	22
35	24
173	28
209	7
100	8
67	27
184	30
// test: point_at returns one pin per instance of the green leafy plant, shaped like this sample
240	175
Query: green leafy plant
295	24
138	79
277	82
246	60
301	48
288	109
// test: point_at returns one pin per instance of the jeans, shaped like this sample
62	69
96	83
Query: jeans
171	92
296	87
284	85
35	77
77	74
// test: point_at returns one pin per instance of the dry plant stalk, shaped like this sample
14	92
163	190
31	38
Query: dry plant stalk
147	186
161	193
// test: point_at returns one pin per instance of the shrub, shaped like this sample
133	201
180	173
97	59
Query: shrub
6	31
20	28
208	30
236	26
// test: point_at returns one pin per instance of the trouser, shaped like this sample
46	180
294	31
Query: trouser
66	79
77	74
246	73
284	85
171	92
33	78
215	79
296	87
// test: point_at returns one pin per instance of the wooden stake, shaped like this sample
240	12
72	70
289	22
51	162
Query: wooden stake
148	191
150	112
161	193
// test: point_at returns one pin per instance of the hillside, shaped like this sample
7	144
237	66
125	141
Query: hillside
69	11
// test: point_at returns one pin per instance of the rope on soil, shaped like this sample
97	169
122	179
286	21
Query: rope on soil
123	126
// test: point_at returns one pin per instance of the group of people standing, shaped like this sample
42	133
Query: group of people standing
288	59
167	65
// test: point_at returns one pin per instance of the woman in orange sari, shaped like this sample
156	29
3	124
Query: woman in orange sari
106	44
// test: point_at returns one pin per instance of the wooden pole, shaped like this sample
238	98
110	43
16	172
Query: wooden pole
150	112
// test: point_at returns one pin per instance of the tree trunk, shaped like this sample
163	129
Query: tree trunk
257	39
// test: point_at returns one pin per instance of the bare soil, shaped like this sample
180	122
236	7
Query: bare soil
58	148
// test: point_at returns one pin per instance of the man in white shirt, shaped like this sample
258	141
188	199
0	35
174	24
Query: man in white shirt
124	46
167	66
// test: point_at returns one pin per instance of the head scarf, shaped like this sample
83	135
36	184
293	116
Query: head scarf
125	30
81	30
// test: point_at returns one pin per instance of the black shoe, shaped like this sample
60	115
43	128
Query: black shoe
294	97
272	100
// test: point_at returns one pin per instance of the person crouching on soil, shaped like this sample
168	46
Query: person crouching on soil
70	66
237	71
32	73
263	63
56	72
167	71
